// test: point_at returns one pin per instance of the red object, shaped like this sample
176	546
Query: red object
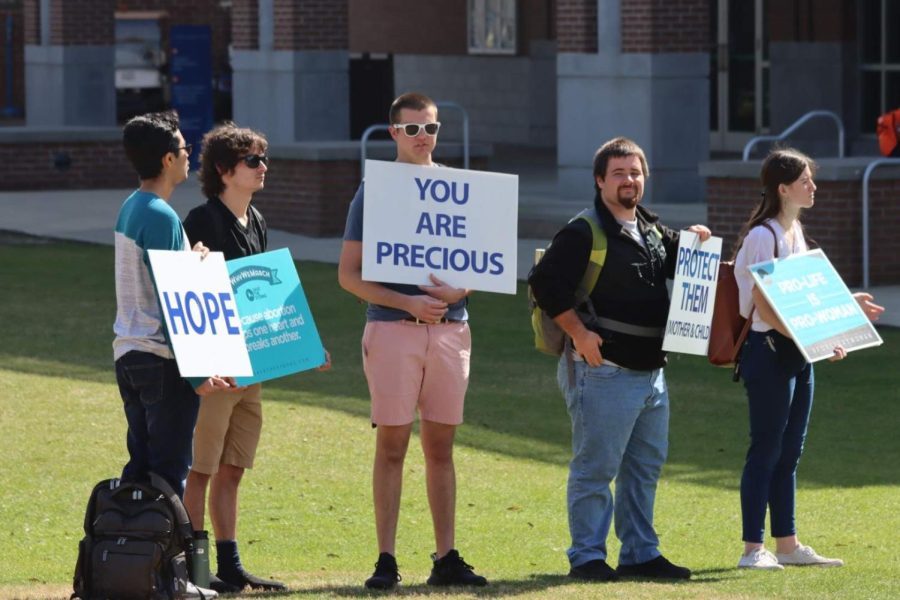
888	123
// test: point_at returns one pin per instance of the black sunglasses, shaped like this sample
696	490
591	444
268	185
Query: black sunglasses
187	149
253	160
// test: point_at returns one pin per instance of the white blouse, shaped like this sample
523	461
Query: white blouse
759	246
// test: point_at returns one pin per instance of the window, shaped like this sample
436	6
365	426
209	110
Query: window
880	55
492	26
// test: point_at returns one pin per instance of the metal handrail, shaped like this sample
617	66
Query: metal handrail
364	139
796	125
465	127
362	144
865	212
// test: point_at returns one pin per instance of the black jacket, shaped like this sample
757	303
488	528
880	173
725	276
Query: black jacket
220	231
631	288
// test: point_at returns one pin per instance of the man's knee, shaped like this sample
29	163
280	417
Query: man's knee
196	477
229	475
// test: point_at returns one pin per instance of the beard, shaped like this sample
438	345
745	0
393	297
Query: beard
628	202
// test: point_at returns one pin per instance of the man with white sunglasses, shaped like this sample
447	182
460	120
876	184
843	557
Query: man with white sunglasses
416	349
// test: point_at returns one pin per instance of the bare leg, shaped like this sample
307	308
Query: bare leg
223	501
440	477
391	443
195	498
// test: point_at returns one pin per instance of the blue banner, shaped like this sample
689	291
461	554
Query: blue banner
191	75
280	333
814	304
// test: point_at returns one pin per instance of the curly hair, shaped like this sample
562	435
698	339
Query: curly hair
222	148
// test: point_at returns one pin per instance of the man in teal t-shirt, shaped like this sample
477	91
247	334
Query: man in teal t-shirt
160	406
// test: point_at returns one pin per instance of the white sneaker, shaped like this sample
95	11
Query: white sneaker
195	592
806	556
760	559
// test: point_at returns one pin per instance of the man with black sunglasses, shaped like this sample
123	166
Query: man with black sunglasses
416	349
611	371
233	166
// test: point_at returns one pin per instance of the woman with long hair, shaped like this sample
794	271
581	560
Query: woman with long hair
778	380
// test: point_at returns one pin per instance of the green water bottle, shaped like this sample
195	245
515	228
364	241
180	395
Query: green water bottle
200	562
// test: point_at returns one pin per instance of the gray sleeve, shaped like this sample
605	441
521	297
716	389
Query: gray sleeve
353	230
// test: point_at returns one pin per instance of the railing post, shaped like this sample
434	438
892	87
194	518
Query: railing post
465	127
865	212
796	125
364	139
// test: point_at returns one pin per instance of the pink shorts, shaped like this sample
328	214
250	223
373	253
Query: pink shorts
410	365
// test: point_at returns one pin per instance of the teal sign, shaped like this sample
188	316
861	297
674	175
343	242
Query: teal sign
814	304
280	333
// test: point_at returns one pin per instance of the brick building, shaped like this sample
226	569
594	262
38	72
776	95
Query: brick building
687	79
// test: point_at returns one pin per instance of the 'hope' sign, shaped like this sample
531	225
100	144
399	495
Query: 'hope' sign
200	312
458	225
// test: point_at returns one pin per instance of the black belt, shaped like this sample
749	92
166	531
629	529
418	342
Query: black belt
440	321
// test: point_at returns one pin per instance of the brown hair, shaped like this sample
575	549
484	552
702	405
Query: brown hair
411	100
223	147
617	148
781	166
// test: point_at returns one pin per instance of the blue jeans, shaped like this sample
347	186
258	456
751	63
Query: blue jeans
161	410
620	430
779	384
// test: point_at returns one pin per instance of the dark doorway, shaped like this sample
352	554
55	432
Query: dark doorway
371	92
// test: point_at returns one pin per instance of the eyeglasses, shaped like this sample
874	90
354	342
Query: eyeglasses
253	160
414	129
187	149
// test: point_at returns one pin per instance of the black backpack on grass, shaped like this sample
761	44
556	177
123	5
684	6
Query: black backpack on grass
137	540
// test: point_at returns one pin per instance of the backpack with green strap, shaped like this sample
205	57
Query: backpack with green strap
549	337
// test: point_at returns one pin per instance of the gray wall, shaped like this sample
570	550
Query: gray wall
510	99
661	101
70	86
809	76
292	96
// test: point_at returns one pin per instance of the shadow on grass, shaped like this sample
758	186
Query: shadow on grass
497	588
59	307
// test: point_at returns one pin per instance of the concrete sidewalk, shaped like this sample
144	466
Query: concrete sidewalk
90	215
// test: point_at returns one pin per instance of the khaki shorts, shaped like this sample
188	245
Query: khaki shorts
413	366
227	429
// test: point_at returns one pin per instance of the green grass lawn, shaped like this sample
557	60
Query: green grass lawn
306	513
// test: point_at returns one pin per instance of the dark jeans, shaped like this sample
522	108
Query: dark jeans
779	384
161	410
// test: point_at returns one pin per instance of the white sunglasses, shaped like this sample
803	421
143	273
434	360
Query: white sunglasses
414	129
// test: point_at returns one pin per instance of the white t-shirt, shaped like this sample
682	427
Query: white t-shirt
759	246
631	228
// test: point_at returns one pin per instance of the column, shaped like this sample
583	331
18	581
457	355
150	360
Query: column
70	63
291	68
637	68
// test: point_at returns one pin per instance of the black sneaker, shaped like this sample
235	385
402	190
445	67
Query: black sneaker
593	570
386	575
223	587
658	568
453	570
242	579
